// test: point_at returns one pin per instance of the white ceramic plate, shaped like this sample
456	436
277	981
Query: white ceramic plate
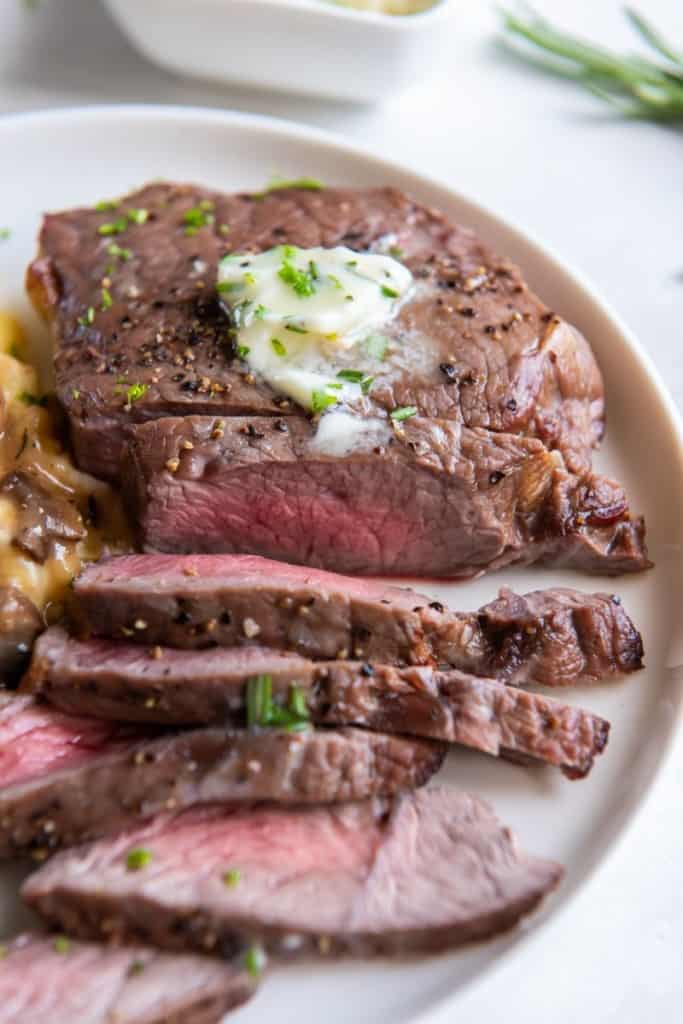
66	158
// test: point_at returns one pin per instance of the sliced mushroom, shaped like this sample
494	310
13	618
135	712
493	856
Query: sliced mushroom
20	623
44	516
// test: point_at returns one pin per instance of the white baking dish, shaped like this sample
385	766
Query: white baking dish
305	46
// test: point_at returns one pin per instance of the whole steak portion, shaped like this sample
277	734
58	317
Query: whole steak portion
53	980
120	681
440	500
492	356
552	637
423	872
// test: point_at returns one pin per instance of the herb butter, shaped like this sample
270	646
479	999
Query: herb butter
306	320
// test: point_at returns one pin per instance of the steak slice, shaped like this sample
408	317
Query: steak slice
161	326
438	499
45	803
53	979
421	872
120	681
552	637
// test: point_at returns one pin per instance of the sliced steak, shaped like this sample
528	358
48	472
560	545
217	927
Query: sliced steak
45	804
553	637
422	872
161	327
122	682
440	500
54	979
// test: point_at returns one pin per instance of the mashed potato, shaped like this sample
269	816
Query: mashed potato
52	516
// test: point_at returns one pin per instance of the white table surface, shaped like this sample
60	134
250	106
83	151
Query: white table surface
607	196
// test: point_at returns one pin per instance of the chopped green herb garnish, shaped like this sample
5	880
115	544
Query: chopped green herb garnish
62	944
352	376
321	401
5	233
30	399
278	348
336	384
243	351
88	318
249	278
106	204
198	217
229	286
335	281
366	384
313	270
114	227
396	251
300	280
275	184
352	263
260	312
296	328
255	960
137	216
138	858
135	392
376	346
137	967
107	301
232	877
262	710
390	293
115	250
404	412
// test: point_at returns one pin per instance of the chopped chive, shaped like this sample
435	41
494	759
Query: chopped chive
321	401
278	348
137	967
396	252
376	346
404	412
243	351
62	944
114	227
335	281
352	376
115	250
197	217
313	270
137	216
366	384
5	233
106	204
259	700
135	392
260	312
229	286
255	960
231	878
337	385
297	701
352	263
275	184
296	328
299	280
138	858
249	279
390	293
107	301
88	318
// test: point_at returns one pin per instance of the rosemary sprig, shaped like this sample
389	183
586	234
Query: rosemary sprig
637	86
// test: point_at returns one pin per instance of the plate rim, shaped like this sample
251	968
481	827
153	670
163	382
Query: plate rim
334	142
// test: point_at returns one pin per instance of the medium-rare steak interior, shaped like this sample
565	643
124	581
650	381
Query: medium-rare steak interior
552	637
466	447
120	681
315	880
51	979
64	780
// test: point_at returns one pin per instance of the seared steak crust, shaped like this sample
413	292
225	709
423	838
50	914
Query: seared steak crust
120	681
422	872
553	637
512	365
